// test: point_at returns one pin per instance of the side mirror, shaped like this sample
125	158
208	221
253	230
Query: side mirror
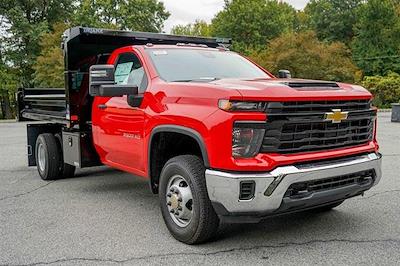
100	75
102	83
284	74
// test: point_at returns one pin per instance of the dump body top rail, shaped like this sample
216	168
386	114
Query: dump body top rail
42	104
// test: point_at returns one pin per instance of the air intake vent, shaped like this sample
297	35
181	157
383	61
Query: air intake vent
247	189
302	189
313	86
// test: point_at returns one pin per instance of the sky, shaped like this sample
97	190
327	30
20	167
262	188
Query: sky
187	11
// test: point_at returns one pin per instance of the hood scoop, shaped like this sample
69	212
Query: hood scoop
312	85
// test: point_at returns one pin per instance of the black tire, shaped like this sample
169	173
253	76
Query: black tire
327	207
50	169
204	222
66	170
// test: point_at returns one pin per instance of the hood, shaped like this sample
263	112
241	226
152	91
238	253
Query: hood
293	89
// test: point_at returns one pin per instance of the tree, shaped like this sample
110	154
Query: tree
253	23
333	20
26	21
301	21
376	46
386	90
198	28
306	57
8	86
139	15
49	66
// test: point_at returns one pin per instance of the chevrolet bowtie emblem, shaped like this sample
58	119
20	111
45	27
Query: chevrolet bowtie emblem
336	116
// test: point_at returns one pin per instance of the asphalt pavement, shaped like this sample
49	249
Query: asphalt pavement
107	217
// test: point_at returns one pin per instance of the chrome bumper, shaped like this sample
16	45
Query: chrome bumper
223	187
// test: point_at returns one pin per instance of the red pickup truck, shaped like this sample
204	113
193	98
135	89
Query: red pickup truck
219	138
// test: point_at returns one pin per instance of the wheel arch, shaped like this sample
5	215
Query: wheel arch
189	132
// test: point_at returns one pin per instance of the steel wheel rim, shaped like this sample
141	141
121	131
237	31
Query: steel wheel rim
41	157
179	201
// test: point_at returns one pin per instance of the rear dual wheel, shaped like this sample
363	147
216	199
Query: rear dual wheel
185	205
49	158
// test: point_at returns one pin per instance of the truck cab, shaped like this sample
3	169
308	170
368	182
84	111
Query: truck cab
219	138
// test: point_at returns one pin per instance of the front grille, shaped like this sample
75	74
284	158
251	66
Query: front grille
302	189
294	127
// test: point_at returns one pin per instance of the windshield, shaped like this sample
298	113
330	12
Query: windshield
185	65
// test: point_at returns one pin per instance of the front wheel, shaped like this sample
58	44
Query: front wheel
185	205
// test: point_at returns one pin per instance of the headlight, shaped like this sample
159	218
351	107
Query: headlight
246	139
228	105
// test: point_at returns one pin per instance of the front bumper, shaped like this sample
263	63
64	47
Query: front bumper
270	187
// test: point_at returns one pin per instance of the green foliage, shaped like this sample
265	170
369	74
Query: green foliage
333	20
139	15
9	79
8	85
306	57
27	21
49	66
386	90
376	47
253	23
301	22
198	28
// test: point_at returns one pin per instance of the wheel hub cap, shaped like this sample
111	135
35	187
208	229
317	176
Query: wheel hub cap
174	202
179	201
41	157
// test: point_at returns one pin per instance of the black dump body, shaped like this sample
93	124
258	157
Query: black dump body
82	48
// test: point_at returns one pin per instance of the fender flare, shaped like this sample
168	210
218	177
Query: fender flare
182	130
176	129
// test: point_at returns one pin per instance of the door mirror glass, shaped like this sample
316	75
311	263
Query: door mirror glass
100	75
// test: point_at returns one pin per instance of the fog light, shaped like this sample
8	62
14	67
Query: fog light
247	189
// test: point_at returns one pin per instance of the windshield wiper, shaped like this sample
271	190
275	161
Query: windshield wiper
205	79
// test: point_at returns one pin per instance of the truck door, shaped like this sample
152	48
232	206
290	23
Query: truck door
117	127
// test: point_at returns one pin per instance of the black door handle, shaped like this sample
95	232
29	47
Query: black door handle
102	106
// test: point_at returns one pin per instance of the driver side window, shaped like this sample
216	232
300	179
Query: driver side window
129	71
